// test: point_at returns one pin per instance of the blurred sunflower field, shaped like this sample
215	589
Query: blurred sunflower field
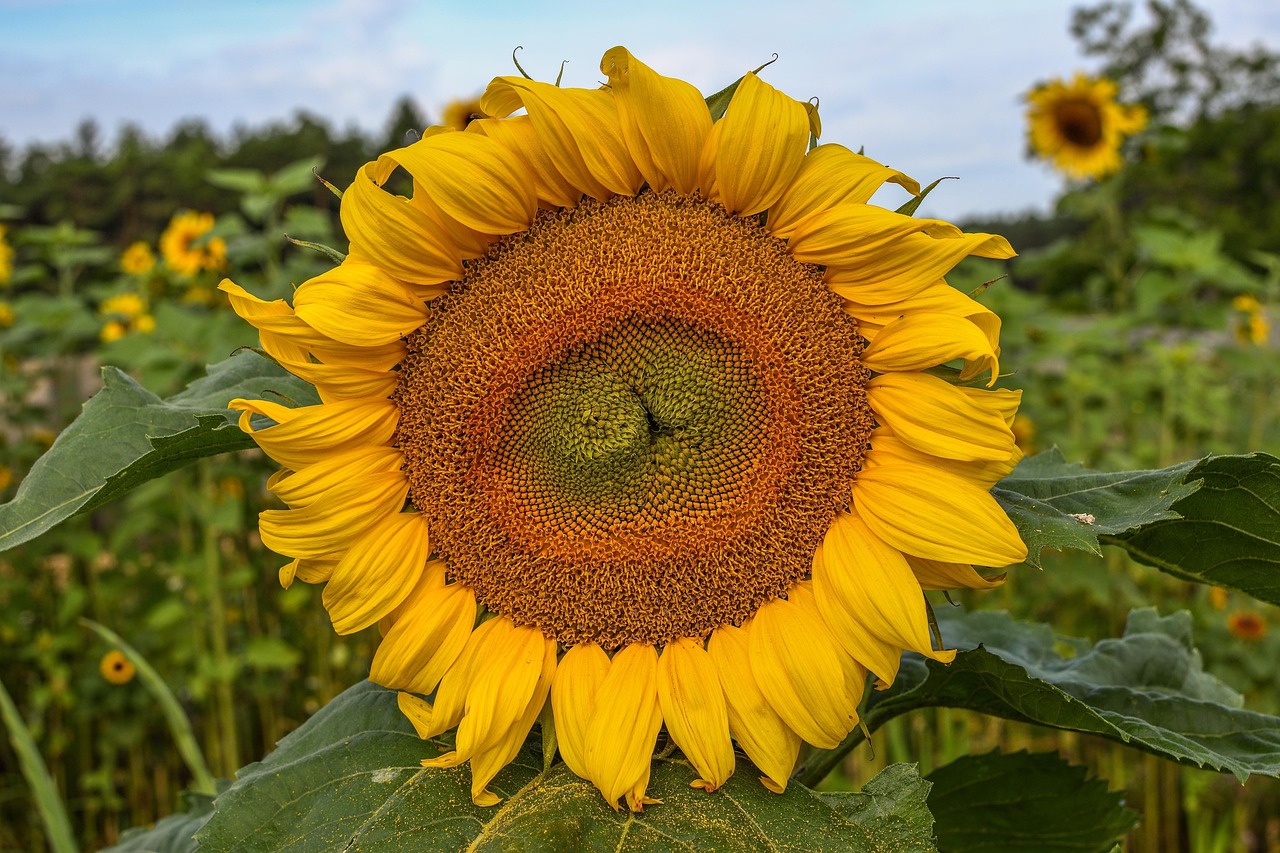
148	652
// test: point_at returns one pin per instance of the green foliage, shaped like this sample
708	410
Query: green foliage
1024	803
350	779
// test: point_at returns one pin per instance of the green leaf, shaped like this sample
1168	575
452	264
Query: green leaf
1024	803
1058	504
910	207
126	435
1226	533
239	180
1147	689
174	834
350	779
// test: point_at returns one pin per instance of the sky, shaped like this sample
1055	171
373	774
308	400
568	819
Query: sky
932	87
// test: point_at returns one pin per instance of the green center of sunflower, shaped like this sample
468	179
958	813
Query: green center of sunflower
634	421
1079	121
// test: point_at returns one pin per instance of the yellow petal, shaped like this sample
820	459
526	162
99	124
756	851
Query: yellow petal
934	574
886	446
873	581
624	728
888	273
403	239
502	688
486	763
309	434
579	129
768	741
758	149
797	663
831	175
301	488
336	383
378	571
693	706
358	304
425	640
848	234
922	341
418	711
473	179
327	526
664	121
573	701
451	698
517	135
848	626
935	416
935	514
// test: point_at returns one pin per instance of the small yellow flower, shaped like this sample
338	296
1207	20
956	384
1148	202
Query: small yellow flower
1250	325
127	305
6	259
458	114
6	315
178	244
1024	433
1247	625
6	477
137	259
114	330
146	324
116	668
198	296
1246	302
1079	127
1218	597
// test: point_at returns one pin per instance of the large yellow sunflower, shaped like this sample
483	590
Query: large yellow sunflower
664	401
1079	127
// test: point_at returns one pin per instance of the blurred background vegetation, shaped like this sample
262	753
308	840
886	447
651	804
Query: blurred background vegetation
1137	321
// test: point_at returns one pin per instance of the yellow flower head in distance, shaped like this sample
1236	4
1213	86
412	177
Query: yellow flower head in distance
182	250
1079	127
126	305
6	258
137	259
116	668
656	391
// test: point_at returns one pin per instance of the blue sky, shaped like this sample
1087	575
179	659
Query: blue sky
932	87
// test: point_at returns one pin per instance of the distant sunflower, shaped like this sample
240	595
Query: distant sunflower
182	249
1079	127
116	668
658	392
1247	625
137	259
6	258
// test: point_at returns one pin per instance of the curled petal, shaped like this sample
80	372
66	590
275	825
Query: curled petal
310	434
425	640
921	341
326	527
406	242
359	304
831	175
938	418
378	571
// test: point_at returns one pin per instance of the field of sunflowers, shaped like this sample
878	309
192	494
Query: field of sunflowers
149	651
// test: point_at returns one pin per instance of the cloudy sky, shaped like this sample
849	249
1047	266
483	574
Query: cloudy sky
931	86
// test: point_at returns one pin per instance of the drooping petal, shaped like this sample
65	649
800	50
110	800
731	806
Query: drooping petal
425	640
327	526
664	121
693	706
624	728
934	574
848	625
937	417
873	581
935	514
301	488
473	179
797	663
757	149
378	571
847	234
358	304
886	446
501	688
921	341
486	763
517	133
401	238
580	131
831	175
573	701
310	434
907	266
451	697
768	741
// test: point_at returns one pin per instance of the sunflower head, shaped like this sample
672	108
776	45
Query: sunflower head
1078	126
116	668
183	249
664	397
138	259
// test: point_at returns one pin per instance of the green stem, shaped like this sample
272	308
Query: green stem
218	629
53	813
179	725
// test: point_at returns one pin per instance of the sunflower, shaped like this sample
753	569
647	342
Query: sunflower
664	400
6	258
1079	126
116	668
182	247
137	259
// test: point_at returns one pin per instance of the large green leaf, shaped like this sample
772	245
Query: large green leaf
1227	532
125	436
1146	689
1060	504
350	779
1024	803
